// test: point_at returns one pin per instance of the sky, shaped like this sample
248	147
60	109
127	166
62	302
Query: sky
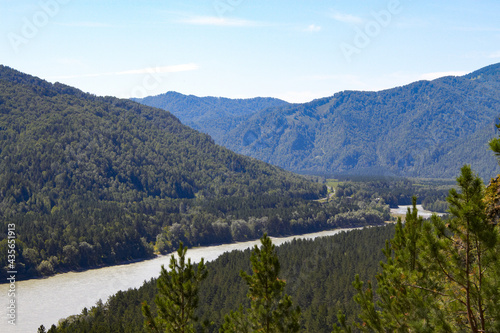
296	50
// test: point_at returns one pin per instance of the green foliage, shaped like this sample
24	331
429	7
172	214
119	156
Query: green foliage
431	193
438	275
178	295
270	309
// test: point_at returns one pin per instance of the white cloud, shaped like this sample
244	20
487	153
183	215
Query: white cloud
476	29
436	75
220	21
345	79
313	28
345	18
302	96
412	23
149	70
84	24
164	69
70	62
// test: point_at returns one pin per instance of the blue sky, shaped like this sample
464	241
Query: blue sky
297	50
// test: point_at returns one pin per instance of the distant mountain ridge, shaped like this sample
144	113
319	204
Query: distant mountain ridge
423	129
214	116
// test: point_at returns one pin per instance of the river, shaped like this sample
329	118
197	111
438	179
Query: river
402	209
45	301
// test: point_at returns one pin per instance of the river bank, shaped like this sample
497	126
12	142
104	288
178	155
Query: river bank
45	301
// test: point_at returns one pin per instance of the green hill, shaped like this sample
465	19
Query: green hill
424	129
93	180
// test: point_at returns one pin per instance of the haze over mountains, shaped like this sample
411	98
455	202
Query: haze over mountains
424	129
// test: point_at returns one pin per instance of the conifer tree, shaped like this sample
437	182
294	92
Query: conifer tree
178	295
440	275
270	308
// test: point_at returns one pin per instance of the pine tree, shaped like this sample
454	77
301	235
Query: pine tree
178	295
270	308
440	275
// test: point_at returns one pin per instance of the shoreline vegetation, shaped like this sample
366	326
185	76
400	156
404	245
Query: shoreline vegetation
158	254
94	181
119	309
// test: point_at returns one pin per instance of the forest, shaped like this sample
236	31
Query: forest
395	191
215	116
91	181
425	129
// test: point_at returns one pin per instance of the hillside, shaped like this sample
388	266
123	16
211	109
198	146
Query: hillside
98	180
424	129
212	115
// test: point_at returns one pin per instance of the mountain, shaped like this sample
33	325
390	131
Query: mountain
212	115
90	180
424	129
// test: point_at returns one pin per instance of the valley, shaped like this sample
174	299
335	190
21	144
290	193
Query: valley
234	166
90	183
90	286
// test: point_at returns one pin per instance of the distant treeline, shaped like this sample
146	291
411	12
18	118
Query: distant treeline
101	233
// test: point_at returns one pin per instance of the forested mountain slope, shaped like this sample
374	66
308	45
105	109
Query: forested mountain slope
212	115
425	129
93	180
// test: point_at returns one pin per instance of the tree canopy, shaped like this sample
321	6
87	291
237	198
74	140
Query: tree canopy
270	309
